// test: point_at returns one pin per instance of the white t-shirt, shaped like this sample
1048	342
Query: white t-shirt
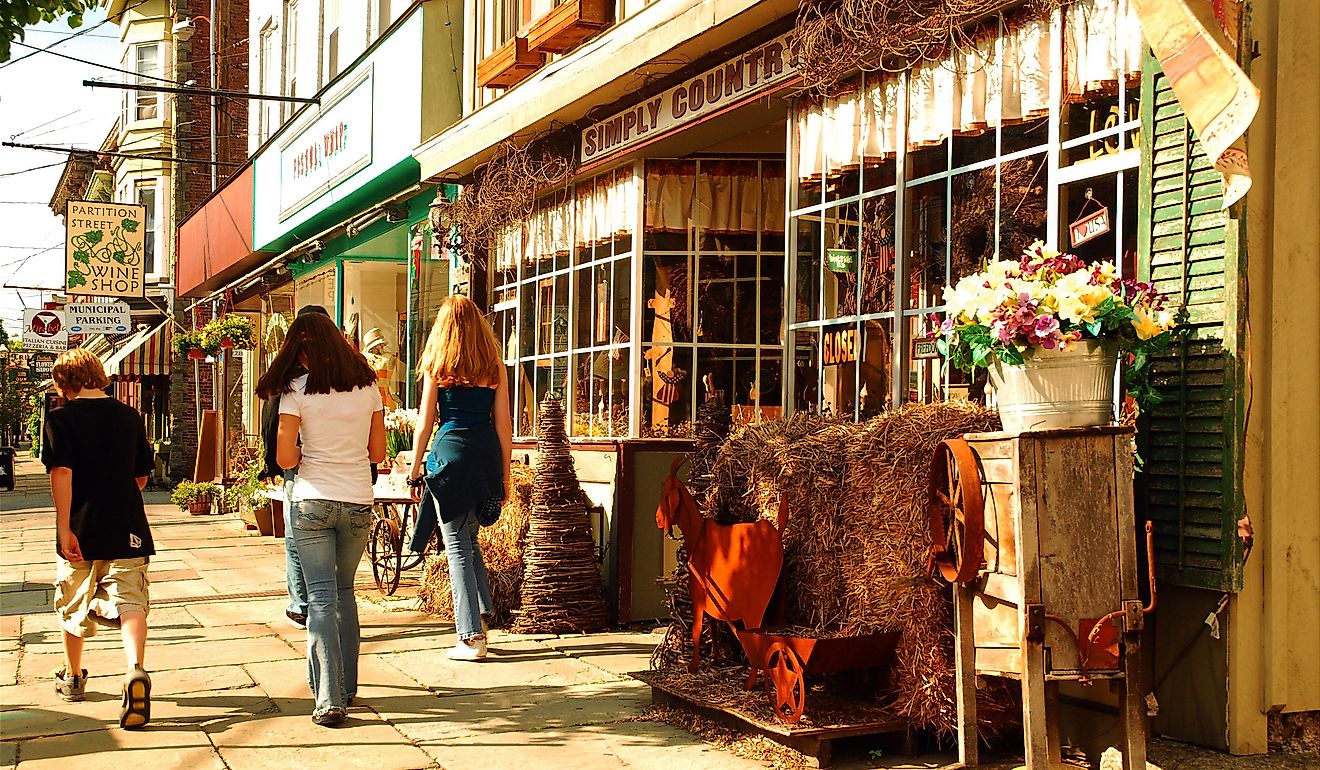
334	432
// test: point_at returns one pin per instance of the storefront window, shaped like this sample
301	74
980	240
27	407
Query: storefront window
713	282
562	283
978	183
375	313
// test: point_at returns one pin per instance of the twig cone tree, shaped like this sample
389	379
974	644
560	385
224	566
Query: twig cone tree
562	589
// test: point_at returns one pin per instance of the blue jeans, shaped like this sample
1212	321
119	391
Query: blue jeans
331	537
467	573
293	574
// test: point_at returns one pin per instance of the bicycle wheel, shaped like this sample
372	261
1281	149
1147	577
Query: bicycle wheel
386	549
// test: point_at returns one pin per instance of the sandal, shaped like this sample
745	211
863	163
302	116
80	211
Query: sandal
136	711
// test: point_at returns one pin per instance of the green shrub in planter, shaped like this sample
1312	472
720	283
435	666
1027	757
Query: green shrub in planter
194	496
193	344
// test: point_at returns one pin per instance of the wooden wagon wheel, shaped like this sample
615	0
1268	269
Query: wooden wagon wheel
957	511
786	683
386	547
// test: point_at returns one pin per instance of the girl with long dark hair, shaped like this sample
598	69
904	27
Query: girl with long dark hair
335	411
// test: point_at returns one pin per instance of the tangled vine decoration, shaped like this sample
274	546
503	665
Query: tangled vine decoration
505	188
836	37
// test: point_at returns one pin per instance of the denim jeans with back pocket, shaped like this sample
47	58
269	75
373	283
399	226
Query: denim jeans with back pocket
330	537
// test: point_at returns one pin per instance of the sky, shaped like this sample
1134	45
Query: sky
43	101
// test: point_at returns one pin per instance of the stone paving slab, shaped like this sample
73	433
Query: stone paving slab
181	748
509	664
616	653
639	745
289	739
514	709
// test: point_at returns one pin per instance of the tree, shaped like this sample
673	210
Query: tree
14	402
17	14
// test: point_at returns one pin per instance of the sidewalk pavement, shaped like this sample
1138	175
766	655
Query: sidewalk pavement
230	682
230	689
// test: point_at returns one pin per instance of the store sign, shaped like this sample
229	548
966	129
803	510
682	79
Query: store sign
922	349
39	366
333	147
1089	227
731	83
45	330
97	317
104	244
839	346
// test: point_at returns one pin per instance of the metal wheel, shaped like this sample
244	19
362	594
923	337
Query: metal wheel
957	511
786	683
385	546
409	519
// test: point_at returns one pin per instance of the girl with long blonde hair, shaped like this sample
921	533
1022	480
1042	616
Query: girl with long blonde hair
466	474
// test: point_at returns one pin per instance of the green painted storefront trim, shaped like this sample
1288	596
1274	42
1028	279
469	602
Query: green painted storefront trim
388	183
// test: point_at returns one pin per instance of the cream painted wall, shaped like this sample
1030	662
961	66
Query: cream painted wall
1274	644
358	23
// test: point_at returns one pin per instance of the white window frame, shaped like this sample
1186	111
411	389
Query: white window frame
132	104
158	217
268	79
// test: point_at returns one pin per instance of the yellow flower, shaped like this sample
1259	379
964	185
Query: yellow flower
1145	325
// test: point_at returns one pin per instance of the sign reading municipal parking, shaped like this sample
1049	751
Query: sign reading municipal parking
103	249
733	82
45	330
97	317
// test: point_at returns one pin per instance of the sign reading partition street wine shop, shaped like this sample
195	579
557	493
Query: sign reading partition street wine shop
103	249
729	84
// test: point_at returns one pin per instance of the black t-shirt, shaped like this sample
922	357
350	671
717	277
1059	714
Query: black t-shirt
105	445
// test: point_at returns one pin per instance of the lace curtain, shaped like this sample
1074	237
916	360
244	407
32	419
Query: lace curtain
999	80
733	197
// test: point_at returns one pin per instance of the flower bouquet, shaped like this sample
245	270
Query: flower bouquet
1050	327
399	427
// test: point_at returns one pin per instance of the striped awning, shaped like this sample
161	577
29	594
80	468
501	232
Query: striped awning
146	354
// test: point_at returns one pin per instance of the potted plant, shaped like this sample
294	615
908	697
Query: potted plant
230	331
399	427
191	344
1049	328
195	497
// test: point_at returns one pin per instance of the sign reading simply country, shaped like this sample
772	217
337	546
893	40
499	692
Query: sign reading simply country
103	249
731	83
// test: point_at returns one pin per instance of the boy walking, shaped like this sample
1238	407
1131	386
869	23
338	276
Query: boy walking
95	450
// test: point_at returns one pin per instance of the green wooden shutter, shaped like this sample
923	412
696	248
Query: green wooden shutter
1193	441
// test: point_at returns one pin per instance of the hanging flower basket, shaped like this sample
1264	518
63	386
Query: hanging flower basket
1050	329
197	354
231	332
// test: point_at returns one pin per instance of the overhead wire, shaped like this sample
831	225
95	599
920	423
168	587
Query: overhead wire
102	66
71	36
34	168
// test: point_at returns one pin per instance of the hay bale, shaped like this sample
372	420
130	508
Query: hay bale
502	551
856	541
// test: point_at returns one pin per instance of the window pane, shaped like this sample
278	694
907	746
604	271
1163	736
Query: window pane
147	198
666	285
806	371
839	353
809	266
875	261
876	353
771	305
842	227
926	244
667	392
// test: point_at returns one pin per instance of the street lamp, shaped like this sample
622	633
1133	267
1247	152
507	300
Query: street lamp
183	31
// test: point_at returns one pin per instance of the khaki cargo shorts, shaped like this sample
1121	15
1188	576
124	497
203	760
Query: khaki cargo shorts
92	593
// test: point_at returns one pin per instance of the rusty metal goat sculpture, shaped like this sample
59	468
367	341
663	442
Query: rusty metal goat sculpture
732	568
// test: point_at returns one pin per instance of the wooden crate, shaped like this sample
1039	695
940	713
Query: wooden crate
1060	550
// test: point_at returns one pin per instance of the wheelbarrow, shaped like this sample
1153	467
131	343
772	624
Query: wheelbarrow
733	570
786	660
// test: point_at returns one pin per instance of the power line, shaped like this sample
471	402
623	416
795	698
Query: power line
24	203
109	154
47	123
71	36
64	56
36	168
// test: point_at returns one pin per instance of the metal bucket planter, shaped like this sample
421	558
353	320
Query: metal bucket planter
1057	388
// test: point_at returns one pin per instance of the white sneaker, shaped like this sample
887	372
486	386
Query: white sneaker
468	650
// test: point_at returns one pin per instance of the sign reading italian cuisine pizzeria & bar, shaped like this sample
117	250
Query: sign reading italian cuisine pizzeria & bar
732	83
103	249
